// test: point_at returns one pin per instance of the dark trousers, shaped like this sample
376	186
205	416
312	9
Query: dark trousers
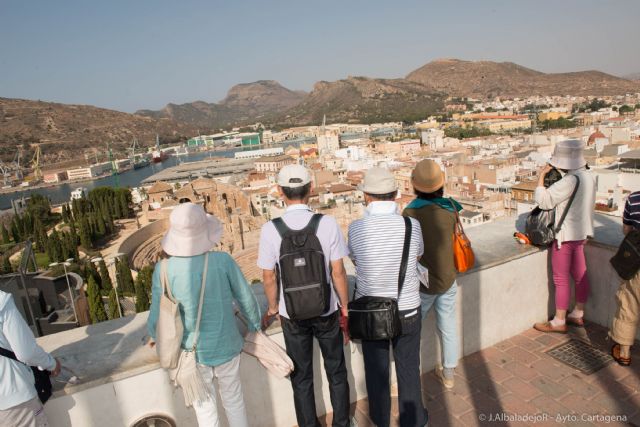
406	353
298	338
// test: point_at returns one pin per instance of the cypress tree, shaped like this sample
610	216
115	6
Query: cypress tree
114	312
6	265
5	235
124	203
100	226
104	276
96	307
85	234
142	298
90	271
125	278
65	214
15	230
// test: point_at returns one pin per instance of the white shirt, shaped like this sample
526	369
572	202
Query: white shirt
16	379
296	217
579	221
375	243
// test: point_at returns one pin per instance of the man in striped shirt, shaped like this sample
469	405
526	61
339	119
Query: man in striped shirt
376	244
625	321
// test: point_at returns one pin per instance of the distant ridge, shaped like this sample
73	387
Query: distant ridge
70	131
366	99
245	102
487	79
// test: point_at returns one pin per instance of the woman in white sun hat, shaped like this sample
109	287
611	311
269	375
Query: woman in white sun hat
567	251
191	237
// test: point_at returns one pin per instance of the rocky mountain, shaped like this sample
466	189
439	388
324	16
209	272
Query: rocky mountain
481	79
69	131
366	100
244	103
633	76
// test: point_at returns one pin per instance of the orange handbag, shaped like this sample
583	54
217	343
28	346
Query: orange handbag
463	257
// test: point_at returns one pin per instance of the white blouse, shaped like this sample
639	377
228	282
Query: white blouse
579	221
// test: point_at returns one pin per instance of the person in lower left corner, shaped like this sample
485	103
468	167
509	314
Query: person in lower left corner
625	322
19	402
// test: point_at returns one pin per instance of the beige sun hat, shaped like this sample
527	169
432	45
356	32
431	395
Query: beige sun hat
568	154
427	176
378	181
191	231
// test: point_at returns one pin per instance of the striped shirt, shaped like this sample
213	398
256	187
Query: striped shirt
375	244
631	214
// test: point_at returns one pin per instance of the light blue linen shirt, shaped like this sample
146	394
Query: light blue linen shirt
16	379
220	340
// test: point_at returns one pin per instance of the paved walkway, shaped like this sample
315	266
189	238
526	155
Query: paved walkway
516	378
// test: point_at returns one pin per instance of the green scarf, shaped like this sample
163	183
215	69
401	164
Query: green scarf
443	202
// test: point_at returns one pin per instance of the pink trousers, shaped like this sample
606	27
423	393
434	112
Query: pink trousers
567	262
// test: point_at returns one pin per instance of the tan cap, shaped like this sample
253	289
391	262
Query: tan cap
293	176
427	176
378	181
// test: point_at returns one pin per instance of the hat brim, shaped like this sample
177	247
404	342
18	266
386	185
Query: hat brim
198	243
567	164
375	191
426	188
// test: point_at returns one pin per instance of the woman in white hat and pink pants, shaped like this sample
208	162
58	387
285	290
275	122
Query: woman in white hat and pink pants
567	251
191	237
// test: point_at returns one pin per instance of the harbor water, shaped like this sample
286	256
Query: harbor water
131	178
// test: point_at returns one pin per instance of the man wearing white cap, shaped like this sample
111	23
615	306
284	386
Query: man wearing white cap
300	255
567	251
377	246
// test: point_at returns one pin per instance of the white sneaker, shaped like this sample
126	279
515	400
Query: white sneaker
447	381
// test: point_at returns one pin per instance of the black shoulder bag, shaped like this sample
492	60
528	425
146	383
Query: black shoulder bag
42	378
540	223
378	318
626	261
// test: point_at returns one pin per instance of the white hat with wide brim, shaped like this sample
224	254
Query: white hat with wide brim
191	231
568	154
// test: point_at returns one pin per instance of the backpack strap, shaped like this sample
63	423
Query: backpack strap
405	253
281	227
566	210
8	354
314	223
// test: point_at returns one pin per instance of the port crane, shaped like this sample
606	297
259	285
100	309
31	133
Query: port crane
35	163
13	170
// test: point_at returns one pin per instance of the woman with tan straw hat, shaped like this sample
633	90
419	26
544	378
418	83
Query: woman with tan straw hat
567	251
191	236
437	221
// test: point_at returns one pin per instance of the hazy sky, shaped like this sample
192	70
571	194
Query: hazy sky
133	54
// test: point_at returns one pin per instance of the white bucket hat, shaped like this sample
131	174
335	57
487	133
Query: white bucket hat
378	181
191	231
568	154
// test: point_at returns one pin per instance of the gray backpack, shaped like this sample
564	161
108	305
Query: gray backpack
540	224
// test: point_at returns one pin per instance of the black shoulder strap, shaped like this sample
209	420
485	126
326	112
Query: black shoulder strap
566	210
8	354
280	226
405	253
314	223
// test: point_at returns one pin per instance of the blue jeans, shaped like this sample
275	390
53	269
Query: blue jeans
446	322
